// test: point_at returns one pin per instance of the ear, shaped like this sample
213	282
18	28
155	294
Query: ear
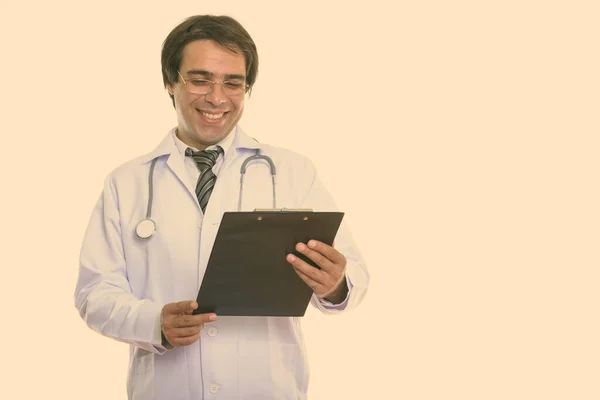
170	88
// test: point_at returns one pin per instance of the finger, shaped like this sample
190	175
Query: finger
184	341
314	285
315	256
185	332
328	251
184	321
191	310
308	270
180	307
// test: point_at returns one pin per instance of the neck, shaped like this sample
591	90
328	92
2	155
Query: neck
191	143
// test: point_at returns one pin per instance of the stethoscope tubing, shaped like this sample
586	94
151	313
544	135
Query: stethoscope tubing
150	188
148	220
256	157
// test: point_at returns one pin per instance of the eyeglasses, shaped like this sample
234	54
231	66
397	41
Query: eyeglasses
204	86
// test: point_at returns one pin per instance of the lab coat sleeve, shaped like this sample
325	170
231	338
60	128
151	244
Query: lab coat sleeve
103	295
316	197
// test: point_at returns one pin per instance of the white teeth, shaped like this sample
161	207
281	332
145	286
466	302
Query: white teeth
211	116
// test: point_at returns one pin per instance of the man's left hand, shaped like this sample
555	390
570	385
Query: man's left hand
329	281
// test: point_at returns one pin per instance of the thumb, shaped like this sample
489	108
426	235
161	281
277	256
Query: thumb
192	305
182	307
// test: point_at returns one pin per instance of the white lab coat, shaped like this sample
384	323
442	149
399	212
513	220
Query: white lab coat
125	281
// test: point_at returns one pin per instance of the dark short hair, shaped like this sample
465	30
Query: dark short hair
222	29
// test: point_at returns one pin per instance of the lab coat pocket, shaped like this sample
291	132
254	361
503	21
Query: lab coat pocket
269	370
141	373
154	377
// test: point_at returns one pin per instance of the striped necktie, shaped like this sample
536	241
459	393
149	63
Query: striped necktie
205	160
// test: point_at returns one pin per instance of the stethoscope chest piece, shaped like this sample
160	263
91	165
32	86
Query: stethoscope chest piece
145	229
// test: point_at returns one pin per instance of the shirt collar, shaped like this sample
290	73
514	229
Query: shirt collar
225	143
237	140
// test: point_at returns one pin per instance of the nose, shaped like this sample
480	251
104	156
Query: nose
216	96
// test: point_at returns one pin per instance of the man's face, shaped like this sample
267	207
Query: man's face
205	119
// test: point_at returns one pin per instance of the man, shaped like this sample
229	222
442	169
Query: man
141	290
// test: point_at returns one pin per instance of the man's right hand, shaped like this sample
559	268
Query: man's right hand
180	326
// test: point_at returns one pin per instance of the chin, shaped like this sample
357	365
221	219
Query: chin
209	139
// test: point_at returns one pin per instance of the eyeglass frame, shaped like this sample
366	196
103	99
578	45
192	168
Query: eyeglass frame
212	86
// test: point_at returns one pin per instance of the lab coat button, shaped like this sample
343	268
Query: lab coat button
214	388
212	331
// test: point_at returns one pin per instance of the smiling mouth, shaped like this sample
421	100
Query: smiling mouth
212	116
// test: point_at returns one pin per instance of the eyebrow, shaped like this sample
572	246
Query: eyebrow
209	74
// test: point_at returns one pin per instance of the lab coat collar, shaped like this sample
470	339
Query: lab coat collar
167	146
225	144
243	141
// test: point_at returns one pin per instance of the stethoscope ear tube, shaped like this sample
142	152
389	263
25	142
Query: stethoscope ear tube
248	160
258	156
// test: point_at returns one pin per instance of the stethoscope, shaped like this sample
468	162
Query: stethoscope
146	228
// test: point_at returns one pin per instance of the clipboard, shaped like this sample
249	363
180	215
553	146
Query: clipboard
247	272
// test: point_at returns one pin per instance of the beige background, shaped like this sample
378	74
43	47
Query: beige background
481	226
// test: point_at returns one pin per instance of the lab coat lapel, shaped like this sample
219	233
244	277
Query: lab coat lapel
224	196
174	162
241	142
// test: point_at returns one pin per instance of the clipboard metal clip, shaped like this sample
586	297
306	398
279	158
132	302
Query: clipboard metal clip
283	209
